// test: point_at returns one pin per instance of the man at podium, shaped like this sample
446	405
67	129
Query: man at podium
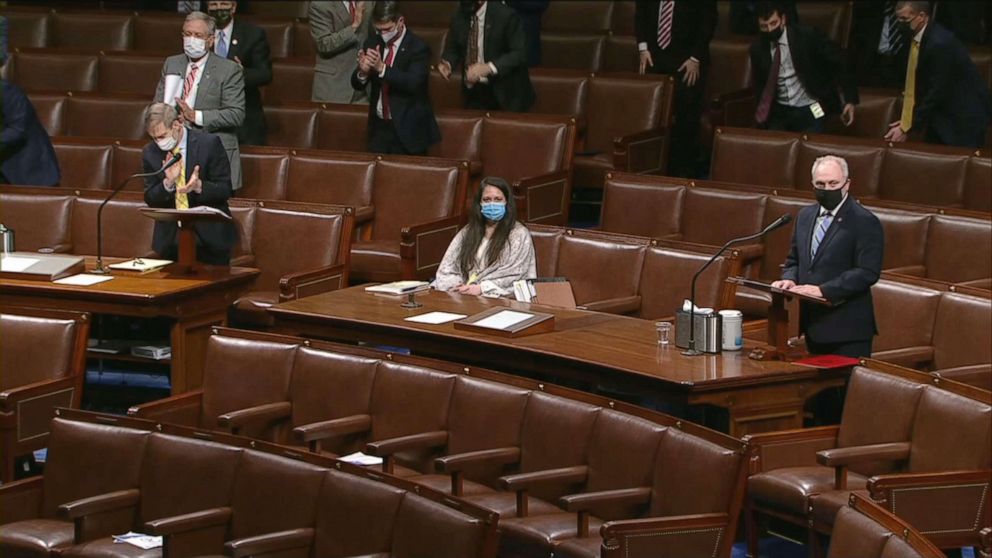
836	254
202	177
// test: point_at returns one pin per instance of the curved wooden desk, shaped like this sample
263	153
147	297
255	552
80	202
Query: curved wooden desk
591	349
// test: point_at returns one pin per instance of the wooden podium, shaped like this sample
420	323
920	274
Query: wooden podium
185	219
778	319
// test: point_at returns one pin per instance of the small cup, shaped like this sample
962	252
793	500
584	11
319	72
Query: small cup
664	332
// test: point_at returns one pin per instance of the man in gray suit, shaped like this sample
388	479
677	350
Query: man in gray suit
338	29
211	92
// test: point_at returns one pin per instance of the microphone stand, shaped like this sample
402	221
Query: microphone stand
692	351
100	269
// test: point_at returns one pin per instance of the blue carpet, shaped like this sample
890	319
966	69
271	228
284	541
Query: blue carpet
778	548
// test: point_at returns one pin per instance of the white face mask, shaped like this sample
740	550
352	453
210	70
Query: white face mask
195	47
168	143
392	33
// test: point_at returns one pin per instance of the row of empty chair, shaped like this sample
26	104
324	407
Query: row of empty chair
222	495
566	471
919	445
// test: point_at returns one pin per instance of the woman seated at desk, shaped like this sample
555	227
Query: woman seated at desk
492	251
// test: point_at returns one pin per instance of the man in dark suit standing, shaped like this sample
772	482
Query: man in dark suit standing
836	254
488	41
878	50
797	74
394	64
246	45
673	37
945	99
201	178
27	157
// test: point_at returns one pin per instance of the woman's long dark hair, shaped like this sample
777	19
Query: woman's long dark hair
475	231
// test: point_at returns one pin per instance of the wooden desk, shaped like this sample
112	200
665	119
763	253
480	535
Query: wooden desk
195	303
600	351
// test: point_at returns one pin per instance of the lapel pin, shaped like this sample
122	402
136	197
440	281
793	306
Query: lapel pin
234	41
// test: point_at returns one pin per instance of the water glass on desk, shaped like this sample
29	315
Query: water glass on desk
664	333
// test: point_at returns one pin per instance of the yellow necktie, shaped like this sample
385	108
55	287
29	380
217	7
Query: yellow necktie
909	95
182	202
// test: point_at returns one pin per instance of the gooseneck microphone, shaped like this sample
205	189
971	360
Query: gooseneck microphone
100	269
691	351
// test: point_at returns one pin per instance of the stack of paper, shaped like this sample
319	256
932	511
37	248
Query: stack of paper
139	540
398	287
359	458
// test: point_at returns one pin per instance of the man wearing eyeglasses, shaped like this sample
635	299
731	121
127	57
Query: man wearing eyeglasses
836	254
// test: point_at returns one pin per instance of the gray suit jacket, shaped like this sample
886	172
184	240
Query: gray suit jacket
337	47
221	97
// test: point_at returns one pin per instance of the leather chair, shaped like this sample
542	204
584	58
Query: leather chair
32	524
418	206
924	177
105	31
290	274
127	160
572	51
978	184
876	109
278	33
900	341
54	71
292	81
863	528
27	28
429	13
864	162
620	52
623	18
832	18
547	241
435	38
23	210
666	280
573	16
461	137
713	217
627	121
126	232
43	356
156	33
264	172
130	74
560	92
959	250
604	269
115	117
294	127
50	109
343	127
960	342
243	215
625	196
289	9
759	157
905	240
371	511
302	40
728	87
446	94
353	178
84	163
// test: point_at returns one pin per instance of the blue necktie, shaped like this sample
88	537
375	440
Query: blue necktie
221	46
820	232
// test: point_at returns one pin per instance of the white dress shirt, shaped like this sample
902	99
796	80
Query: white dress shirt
790	91
480	22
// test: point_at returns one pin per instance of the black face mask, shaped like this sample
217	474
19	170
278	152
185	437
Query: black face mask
906	29
222	17
773	36
470	6
829	199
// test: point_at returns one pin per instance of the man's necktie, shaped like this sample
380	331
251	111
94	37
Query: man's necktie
909	95
771	87
391	48
892	41
182	201
188	82
221	45
351	10
665	14
473	42
819	233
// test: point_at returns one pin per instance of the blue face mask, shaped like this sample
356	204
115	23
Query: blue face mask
494	211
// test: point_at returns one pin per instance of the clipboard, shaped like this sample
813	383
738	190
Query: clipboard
534	323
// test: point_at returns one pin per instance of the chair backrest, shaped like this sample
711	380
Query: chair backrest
778	243
84	164
154	32
600	266
923	177
905	235
626	196
272	494
78	465
343	127
281	225
832	18
264	172
126	232
951	433
692	476
761	157
515	148
127	160
876	110
409	191
278	33
130	74
621	455
303	46
54	71
666	279
435	38
559	91
292	81
106	117
167	490
335	178
239	374
107	31
623	17
28	28
864	163
50	109
577	16
713	216
290	126
243	215
547	242
428	13
573	51
556	433
23	212
461	136
730	66
619	53
371	510
961	331
422	523
620	105
894	301
959	248
863	528
978	184
35	347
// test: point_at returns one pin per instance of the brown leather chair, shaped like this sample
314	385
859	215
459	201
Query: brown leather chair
905	235
876	109
832	18
292	81
577	16
900	341
760	157
461	137
289	9
864	162
728	87
959	250
84	164
127	160
126	233
560	92
666	280
603	268
620	52
353	178
446	94
130	74
27	27
978	184
31	524
627	196
931	177
572	51
54	71
43	357
343	127
22	210
156	33
115	117
623	18
107	31
303	41
435	38
278	33
863	528
429	13
50	109
547	241
294	127
960	339
289	274
264	171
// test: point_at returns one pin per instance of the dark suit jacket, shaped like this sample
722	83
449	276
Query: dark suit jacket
819	65
207	151
530	12
847	263
249	44
952	100
505	45
863	58
693	23
26	154
409	101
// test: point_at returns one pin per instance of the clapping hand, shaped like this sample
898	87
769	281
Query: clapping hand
374	58
364	66
194	184
186	111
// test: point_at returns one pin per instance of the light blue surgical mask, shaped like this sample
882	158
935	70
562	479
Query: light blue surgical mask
494	211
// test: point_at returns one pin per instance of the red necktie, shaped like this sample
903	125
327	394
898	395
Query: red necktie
391	47
188	82
351	10
665	16
768	95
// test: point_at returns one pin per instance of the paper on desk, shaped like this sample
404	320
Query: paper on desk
173	87
359	458
83	279
139	540
698	311
435	318
504	319
16	263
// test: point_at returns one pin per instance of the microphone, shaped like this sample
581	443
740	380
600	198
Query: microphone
100	269
777	223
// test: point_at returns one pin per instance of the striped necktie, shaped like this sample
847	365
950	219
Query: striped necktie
891	41
665	15
820	232
189	81
182	200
